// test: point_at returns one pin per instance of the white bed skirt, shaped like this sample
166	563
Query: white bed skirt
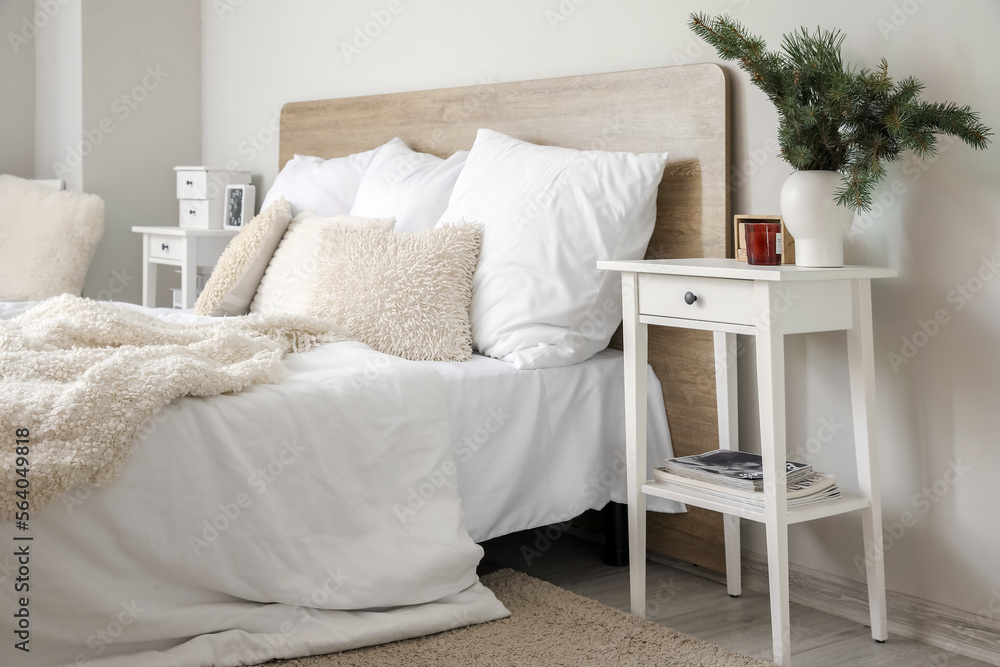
538	447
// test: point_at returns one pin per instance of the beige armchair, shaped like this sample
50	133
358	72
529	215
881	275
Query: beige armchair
47	238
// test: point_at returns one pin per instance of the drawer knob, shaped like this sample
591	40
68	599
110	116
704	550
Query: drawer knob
690	298
164	247
191	211
190	182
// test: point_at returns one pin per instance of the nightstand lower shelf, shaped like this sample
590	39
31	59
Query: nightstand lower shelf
848	502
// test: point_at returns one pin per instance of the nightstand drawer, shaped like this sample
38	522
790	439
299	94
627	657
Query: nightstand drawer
192	183
166	247
205	183
202	213
194	213
712	299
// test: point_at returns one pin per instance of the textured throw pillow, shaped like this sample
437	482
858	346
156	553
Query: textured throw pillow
47	239
287	284
412	187
402	294
327	187
549	215
234	281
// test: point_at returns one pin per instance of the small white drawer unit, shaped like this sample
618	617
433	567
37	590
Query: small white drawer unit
201	194
186	249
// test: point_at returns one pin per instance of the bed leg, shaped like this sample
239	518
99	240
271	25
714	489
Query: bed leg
616	534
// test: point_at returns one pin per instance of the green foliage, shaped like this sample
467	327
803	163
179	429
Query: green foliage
838	117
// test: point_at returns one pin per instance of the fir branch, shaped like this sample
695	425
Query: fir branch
835	116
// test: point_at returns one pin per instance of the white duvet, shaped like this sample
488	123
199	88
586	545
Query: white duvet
310	517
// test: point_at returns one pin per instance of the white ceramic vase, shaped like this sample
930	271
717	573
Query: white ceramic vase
814	219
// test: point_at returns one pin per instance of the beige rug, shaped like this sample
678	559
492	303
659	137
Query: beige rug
548	626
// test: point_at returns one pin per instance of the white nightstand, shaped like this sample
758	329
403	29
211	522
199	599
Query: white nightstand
767	302
186	249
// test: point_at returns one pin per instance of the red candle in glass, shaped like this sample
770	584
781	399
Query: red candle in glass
763	243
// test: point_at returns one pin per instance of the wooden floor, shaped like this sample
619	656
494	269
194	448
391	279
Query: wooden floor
701	607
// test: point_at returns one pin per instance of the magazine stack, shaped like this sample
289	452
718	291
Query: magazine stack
734	474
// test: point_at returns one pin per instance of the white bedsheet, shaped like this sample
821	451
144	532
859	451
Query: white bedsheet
276	522
537	447
9	309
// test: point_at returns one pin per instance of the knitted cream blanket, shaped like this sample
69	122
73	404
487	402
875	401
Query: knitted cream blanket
84	377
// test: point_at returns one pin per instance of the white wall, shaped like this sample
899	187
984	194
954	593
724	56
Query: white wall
117	95
939	407
58	87
142	113
17	78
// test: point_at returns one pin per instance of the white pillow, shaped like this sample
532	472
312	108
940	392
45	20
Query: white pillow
412	187
549	215
47	239
287	284
237	274
327	187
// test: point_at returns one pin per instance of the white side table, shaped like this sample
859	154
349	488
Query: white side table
184	248
767	302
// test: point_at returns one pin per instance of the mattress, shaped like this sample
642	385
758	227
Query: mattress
532	447
538	447
358	471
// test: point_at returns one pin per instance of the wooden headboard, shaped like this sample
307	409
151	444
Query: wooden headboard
683	110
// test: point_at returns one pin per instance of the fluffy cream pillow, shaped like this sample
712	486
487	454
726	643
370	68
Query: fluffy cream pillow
287	283
237	274
47	239
405	294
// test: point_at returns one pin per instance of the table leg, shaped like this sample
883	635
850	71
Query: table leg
726	398
861	361
189	273
148	275
770	344
635	341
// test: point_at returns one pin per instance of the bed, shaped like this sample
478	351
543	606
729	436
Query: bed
218	545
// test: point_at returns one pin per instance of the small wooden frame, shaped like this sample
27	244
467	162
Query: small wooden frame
740	237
